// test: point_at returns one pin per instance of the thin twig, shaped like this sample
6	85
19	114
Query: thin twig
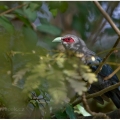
99	24
111	63
12	9
118	48
107	17
97	93
87	108
85	104
110	9
107	56
11	64
114	27
113	73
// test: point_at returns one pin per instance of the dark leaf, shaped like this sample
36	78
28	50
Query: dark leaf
20	15
63	6
31	36
37	91
4	22
61	115
70	112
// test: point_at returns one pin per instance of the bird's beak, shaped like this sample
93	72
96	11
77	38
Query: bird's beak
58	39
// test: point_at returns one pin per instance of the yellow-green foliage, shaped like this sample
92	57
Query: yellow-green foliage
36	69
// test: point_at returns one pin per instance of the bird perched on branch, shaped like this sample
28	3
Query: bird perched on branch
77	45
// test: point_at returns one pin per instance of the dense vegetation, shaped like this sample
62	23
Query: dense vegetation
37	78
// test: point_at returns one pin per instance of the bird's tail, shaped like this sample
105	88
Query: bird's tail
115	96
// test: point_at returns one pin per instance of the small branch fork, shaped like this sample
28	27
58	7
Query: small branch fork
87	108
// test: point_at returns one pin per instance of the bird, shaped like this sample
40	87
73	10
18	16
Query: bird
88	57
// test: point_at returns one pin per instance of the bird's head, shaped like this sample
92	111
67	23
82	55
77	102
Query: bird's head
71	42
77	45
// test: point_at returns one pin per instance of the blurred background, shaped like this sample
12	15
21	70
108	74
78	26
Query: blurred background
38	23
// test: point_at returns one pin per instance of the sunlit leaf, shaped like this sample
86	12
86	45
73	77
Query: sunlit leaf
19	75
58	94
32	82
90	77
54	12
87	74
60	62
79	86
82	111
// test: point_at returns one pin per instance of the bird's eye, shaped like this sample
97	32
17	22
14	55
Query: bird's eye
68	40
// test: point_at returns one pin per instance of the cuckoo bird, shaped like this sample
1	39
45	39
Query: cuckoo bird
76	44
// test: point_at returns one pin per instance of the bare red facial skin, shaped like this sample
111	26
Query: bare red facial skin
68	40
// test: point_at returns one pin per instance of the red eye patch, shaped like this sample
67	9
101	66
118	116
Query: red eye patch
68	40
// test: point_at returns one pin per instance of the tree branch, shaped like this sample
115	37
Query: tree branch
114	27
97	93
111	63
113	115
85	104
10	10
113	73
107	56
118	48
107	17
87	108
101	24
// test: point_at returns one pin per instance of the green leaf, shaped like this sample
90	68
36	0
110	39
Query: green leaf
61	115
82	111
32	15
35	6
4	22
54	12
87	75
19	11
50	29
54	4
31	37
3	7
70	112
37	91
63	6
78	86
22	18
19	75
